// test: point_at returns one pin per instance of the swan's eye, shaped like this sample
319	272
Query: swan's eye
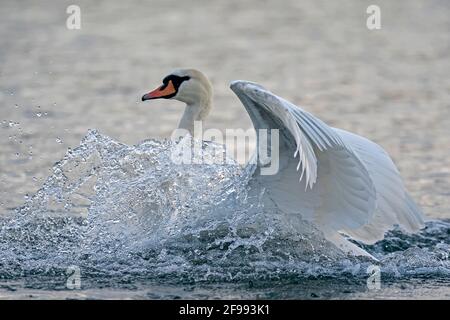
176	80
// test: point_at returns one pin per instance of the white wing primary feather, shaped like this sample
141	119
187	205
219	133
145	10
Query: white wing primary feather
394	206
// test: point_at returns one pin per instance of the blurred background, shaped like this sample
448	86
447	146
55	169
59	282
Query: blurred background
391	85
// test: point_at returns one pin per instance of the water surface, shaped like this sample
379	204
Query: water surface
140	230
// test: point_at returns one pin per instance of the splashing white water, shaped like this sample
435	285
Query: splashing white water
118	210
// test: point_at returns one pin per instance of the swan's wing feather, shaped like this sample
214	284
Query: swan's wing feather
394	205
344	192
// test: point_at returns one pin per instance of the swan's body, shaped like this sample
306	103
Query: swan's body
339	181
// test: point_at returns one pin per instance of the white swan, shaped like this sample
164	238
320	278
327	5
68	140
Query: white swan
341	182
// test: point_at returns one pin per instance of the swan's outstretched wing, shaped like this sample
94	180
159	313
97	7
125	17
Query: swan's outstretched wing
335	190
337	187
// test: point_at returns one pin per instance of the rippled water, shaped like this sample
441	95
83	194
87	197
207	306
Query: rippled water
138	225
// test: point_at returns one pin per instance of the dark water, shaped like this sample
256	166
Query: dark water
119	221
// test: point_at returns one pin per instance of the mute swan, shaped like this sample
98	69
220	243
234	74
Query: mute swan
341	182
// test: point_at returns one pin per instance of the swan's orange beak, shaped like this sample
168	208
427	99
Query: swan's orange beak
165	91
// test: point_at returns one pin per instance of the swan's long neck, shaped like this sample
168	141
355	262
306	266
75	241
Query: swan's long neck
196	111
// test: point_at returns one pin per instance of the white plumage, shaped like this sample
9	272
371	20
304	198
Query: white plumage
339	181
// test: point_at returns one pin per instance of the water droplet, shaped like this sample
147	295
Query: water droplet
13	124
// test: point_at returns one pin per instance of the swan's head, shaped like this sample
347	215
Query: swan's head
186	85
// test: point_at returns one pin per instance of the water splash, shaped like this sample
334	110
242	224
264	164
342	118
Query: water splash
129	212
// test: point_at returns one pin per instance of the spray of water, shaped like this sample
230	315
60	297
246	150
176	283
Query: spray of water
129	212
